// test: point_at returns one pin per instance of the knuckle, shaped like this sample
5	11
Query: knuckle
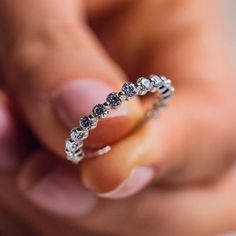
25	58
28	52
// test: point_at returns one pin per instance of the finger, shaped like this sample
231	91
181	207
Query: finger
60	71
54	185
126	169
190	142
13	143
206	146
201	210
97	9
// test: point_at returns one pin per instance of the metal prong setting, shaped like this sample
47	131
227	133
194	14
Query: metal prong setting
159	85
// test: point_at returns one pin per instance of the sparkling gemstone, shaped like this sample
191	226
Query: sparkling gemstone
87	123
70	156
165	79
100	111
156	81
71	146
114	100
122	96
75	156
78	134
129	90
144	85
79	154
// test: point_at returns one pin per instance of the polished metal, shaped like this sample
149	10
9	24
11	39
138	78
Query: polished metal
159	85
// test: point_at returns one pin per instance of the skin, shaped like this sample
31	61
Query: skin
194	149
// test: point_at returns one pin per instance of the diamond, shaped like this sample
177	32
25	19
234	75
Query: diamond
144	85
156	82
73	151
78	157
70	156
129	90
71	146
100	111
165	79
114	100
78	134
122	96
87	123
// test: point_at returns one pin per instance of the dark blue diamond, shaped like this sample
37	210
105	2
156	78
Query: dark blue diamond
114	100
129	89
99	110
86	122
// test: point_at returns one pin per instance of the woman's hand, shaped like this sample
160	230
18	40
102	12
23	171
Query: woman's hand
61	58
207	209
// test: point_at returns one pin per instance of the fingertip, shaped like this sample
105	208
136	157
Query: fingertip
136	181
54	186
61	192
106	173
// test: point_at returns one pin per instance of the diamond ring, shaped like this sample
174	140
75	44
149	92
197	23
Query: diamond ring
158	85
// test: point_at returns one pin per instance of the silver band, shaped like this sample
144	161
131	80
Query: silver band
155	84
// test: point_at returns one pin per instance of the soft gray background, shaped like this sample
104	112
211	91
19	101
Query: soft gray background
228	8
229	15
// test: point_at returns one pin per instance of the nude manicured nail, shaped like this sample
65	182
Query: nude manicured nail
77	98
137	180
62	192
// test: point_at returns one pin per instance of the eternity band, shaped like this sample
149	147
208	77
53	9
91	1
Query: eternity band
159	85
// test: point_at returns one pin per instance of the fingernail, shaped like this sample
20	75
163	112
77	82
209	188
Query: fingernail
77	98
61	192
137	180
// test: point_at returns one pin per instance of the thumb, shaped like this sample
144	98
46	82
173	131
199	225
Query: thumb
57	71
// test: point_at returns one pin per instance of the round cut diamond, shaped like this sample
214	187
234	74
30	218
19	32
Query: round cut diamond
144	85
114	100
122	95
78	134
129	90
79	155
73	151
100	111
165	79
71	146
87	123
156	81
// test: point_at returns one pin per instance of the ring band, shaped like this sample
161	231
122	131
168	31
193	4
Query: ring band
158	85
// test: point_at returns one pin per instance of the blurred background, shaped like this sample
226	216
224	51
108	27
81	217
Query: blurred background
229	16
13	225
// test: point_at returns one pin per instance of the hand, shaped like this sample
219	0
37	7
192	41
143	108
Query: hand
50	61
207	209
